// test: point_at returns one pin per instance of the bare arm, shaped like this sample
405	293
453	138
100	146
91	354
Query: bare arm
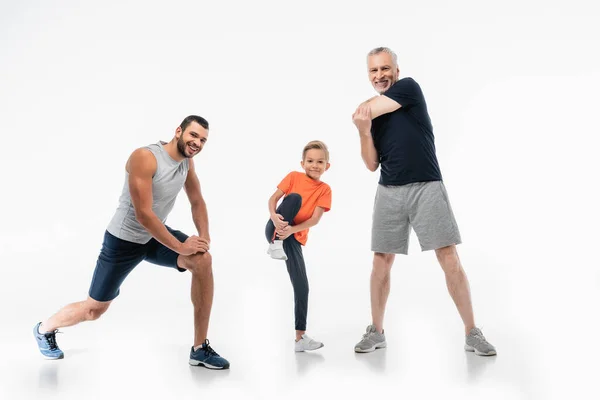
141	166
312	221
277	219
368	152
199	210
367	101
273	201
380	105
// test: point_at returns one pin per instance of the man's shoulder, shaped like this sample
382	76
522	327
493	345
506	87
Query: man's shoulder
142	159
144	154
405	82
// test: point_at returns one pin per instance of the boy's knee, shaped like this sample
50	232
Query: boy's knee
294	197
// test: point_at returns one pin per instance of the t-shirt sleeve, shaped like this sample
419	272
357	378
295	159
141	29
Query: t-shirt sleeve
286	184
324	200
405	92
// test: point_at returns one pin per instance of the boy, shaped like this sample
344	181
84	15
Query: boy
306	199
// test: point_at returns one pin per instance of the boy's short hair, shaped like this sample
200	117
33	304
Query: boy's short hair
315	144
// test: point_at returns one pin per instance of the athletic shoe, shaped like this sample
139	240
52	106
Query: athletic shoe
307	344
276	250
371	341
47	343
206	356
476	342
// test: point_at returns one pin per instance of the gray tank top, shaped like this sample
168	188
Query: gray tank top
167	182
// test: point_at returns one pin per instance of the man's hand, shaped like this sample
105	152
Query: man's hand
362	119
278	221
193	245
206	239
285	232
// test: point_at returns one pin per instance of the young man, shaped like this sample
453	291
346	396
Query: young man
154	176
396	133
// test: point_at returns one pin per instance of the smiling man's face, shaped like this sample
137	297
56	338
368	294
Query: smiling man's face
383	73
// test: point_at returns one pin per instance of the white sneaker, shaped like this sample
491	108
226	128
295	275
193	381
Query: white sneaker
276	250
307	344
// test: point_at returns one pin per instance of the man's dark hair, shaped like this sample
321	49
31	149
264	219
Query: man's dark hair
193	118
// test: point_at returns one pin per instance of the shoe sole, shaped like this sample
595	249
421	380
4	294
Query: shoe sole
196	363
53	358
477	352
276	258
371	349
303	350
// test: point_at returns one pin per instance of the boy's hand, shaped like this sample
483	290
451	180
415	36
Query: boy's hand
285	232
278	221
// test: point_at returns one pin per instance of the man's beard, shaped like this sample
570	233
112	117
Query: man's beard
181	147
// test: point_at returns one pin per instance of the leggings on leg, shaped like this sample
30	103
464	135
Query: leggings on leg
288	208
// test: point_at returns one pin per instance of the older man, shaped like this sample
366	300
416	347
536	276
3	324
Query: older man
396	134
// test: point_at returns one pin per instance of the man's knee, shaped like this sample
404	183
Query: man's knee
382	265
94	309
448	259
200	263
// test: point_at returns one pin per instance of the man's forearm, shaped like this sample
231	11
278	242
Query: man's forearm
159	231
368	152
200	217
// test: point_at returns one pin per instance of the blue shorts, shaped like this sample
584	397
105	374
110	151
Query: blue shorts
119	257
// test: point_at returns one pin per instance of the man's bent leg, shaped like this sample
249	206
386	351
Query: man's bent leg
74	313
45	333
457	283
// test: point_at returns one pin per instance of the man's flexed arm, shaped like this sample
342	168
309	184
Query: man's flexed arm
141	166
362	120
380	105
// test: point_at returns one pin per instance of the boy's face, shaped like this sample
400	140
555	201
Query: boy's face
315	163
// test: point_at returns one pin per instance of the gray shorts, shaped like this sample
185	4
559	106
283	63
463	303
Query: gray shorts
422	205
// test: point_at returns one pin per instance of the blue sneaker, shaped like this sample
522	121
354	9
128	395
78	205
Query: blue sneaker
47	344
207	357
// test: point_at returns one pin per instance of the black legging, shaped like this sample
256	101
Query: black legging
288	208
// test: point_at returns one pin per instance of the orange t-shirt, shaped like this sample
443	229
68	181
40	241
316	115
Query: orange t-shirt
314	194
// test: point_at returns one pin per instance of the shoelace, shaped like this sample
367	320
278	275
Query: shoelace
368	335
208	350
51	339
480	336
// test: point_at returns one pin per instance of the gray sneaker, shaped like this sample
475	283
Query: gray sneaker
476	342
371	341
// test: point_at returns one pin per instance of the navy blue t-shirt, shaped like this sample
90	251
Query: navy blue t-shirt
404	138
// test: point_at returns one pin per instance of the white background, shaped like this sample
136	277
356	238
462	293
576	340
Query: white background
512	92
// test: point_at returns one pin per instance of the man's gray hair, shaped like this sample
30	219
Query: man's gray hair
378	50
